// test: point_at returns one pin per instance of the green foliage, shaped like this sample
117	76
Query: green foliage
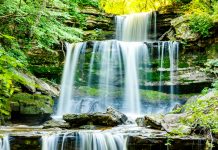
201	23
35	24
133	6
211	67
215	85
203	112
7	66
215	13
93	3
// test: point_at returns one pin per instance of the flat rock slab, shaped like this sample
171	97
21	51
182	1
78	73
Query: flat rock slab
102	119
56	124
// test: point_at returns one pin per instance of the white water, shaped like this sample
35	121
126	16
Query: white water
134	27
4	143
66	97
50	142
134	53
173	55
117	64
101	141
88	140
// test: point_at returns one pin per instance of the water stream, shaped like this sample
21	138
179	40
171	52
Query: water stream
4	142
84	140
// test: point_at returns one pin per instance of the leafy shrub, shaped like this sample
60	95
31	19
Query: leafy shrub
202	112
93	3
215	85
201	23
211	67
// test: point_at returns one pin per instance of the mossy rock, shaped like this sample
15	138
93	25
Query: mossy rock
150	95
32	104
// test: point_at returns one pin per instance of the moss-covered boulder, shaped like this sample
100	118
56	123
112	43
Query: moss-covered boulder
26	107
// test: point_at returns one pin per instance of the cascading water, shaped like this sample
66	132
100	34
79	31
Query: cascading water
4	143
66	97
134	27
117	65
84	141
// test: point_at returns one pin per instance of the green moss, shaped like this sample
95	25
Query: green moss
154	95
89	91
154	76
33	104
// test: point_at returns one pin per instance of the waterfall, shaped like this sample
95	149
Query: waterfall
88	140
50	142
134	27
172	48
123	65
173	55
4	142
134	53
65	100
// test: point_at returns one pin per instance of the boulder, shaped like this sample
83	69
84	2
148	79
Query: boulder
102	119
171	124
122	118
173	118
56	124
148	122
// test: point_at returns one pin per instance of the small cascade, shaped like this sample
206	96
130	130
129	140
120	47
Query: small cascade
134	54
134	27
50	142
84	141
101	141
173	55
65	100
4	142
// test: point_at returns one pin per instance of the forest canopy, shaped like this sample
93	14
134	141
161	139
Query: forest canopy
134	6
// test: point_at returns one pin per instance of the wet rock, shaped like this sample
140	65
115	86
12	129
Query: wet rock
56	124
45	88
102	119
148	122
122	118
171	123
177	128
173	118
140	122
177	108
31	108
88	127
